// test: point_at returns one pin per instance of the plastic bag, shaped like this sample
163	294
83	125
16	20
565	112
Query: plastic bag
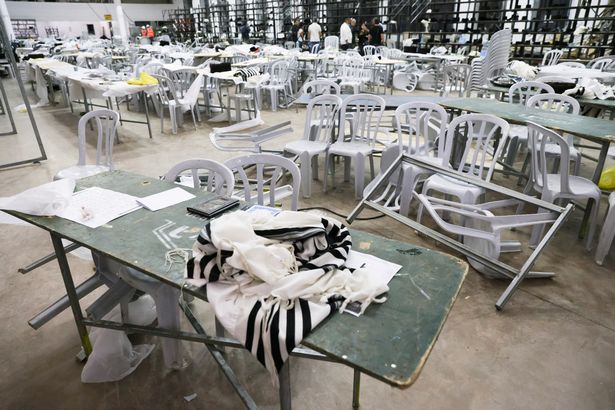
607	179
144	79
113	356
45	200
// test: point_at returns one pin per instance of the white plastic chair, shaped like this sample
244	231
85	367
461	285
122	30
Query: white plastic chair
269	170
561	185
106	126
425	124
520	93
607	232
456	80
320	121
332	42
204	173
322	86
478	157
557	103
367	112
480	228
369	50
353	74
551	57
188	103
573	64
601	63
279	82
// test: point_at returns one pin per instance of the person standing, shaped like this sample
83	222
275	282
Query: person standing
314	33
354	28
376	33
362	37
294	32
150	33
345	34
245	32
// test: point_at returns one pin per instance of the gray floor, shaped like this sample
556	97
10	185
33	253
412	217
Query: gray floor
552	348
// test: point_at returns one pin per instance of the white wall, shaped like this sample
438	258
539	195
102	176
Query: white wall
71	18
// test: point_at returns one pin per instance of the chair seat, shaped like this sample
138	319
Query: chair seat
579	186
301	146
351	148
80	171
449	185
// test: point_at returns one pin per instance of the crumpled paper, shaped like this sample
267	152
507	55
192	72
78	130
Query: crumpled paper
45	200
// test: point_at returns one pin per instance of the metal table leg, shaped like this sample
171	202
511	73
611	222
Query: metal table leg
284	378
71	293
356	389
149	126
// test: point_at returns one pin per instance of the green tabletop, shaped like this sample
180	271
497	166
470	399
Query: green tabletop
390	342
595	102
594	129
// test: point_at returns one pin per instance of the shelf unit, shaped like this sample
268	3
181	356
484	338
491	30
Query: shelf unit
538	26
24	28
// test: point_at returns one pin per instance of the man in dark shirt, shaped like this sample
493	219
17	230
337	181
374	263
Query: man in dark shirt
376	33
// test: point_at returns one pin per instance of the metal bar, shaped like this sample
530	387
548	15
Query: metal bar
71	293
523	272
356	389
11	59
494	264
284	389
46	259
149	126
483	184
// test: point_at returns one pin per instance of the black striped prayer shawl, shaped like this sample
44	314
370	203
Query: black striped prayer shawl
270	328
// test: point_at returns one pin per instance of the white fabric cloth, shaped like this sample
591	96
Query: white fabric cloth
314	31
272	279
345	34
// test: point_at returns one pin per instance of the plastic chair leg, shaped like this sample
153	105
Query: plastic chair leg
605	239
592	222
359	175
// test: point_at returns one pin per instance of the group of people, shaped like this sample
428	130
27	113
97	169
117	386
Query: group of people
310	33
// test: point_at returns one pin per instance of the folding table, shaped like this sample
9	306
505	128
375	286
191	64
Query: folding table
390	342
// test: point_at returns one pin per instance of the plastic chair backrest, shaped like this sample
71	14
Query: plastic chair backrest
218	177
538	138
320	117
366	112
263	185
321	87
182	80
601	63
332	42
457	79
106	126
279	73
315	48
574	64
551	57
165	87
419	120
369	50
522	91
481	132
555	102
352	69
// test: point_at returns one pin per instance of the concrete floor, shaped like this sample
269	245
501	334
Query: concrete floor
551	348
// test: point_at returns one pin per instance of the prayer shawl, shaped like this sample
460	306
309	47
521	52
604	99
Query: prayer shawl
272	279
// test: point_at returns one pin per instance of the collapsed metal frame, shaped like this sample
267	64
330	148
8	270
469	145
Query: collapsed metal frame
516	274
6	45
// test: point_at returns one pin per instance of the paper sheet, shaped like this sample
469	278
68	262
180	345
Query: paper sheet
94	207
165	199
384	269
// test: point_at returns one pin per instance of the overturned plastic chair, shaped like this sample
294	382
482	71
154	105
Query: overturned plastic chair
480	229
